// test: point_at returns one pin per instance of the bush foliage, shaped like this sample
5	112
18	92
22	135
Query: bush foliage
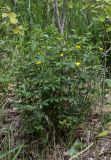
57	77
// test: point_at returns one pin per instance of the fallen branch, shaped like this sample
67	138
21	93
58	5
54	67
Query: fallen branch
78	154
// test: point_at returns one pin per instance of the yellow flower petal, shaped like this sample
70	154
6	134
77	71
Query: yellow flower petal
78	63
13	20
61	55
78	46
101	49
39	62
4	15
12	15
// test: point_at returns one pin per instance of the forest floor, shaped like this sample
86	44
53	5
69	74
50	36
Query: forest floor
96	149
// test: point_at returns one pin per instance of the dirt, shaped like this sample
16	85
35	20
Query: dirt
100	150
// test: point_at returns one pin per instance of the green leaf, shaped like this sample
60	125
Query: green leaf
101	18
108	29
63	122
103	134
108	82
70	4
108	11
71	152
108	1
78	145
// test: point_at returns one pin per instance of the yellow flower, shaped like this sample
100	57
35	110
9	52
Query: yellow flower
78	46
78	63
39	62
61	55
101	49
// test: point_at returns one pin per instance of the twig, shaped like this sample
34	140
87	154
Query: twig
78	154
107	51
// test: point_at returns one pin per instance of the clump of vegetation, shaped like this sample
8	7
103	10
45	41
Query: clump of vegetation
56	56
56	80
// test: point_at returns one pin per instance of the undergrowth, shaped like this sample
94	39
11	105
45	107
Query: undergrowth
55	58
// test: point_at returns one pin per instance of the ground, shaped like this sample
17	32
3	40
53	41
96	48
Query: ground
11	136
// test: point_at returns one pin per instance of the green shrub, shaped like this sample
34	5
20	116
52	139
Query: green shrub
56	79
